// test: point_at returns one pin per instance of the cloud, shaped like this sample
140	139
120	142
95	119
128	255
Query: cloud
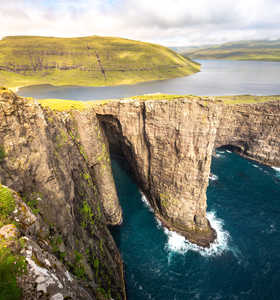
169	22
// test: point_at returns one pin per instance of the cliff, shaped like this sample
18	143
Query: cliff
58	164
58	191
169	145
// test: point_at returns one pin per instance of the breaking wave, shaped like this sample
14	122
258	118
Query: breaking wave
277	170
177	243
146	202
213	177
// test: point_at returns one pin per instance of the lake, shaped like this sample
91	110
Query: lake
217	78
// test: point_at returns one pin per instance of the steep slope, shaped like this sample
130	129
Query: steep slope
59	165
243	50
91	61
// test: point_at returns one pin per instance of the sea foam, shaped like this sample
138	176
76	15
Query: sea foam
213	177
146	202
177	243
277	169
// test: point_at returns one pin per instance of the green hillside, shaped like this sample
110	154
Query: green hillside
243	50
89	61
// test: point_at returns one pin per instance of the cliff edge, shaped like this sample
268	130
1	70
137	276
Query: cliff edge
58	167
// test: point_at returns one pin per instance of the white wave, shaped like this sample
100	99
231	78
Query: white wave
228	151
257	166
270	229
213	177
159	224
177	243
146	202
277	169
219	154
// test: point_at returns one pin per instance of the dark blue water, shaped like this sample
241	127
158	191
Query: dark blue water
244	206
217	77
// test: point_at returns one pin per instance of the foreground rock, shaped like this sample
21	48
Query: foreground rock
59	164
45	276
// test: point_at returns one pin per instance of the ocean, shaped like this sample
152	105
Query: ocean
243	263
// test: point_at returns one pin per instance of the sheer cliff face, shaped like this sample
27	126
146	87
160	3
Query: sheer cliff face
254	129
59	164
169	145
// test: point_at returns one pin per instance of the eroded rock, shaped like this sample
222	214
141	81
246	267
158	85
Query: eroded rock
59	172
169	146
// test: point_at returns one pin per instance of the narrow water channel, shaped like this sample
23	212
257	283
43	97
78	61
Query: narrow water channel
243	205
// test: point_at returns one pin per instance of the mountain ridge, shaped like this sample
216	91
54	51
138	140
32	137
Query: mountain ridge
263	50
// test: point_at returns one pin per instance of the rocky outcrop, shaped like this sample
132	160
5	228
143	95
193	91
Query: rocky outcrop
169	145
45	276
59	165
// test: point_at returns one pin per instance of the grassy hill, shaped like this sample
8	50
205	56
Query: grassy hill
243	50
89	61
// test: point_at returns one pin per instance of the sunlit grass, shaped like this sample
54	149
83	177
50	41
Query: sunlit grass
79	61
247	99
67	105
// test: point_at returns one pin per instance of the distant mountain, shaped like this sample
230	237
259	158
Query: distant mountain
89	61
243	50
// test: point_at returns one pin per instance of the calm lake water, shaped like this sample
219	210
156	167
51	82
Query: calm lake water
217	77
243	205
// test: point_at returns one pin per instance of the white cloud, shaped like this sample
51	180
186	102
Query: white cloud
169	22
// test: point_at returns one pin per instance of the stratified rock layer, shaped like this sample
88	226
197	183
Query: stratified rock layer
59	164
169	145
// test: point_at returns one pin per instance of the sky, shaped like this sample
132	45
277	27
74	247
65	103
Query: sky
166	22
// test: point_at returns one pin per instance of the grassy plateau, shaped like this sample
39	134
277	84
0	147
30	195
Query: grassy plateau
67	105
87	61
